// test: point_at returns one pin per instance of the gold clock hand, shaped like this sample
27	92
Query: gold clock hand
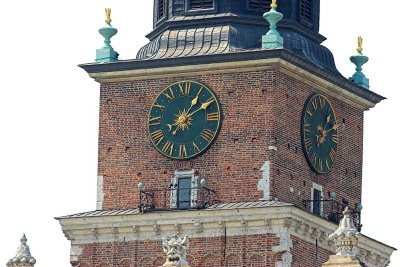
176	129
194	101
203	106
335	127
327	120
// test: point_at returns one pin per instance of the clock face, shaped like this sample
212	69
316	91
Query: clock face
319	133
184	120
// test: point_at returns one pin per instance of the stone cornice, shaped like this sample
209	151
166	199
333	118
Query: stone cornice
281	60
211	223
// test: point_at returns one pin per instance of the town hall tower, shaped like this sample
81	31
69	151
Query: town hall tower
245	138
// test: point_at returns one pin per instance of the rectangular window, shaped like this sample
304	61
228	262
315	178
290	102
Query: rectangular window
201	4
317	202
184	193
259	4
161	8
306	9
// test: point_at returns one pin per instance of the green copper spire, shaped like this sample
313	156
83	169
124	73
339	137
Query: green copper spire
272	39
107	53
359	59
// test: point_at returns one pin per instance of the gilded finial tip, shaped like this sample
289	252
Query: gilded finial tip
108	15
360	42
273	4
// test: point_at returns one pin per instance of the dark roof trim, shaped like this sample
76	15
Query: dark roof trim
338	80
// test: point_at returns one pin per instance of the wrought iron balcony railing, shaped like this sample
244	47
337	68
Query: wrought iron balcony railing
175	198
332	210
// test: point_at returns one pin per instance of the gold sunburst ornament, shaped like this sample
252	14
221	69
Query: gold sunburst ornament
108	15
182	121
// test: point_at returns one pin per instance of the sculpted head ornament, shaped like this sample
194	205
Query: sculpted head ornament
175	250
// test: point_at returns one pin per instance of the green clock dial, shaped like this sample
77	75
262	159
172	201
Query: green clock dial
184	120
319	133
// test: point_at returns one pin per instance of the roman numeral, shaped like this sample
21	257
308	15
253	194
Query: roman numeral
182	151
157	137
154	121
207	135
184	88
308	144
156	105
213	116
332	154
314	103
168	148
321	102
334	138
307	126
320	165
313	158
308	112
327	164
169	94
196	148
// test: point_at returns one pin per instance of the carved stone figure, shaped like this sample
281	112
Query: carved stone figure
23	256
175	250
346	239
346	236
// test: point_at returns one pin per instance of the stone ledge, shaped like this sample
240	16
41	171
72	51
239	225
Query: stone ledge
212	223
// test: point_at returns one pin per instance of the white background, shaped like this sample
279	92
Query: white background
49	111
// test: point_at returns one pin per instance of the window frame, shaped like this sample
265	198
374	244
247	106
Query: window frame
318	187
302	19
248	7
179	174
190	11
159	18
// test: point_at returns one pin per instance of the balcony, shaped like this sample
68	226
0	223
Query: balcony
176	198
332	210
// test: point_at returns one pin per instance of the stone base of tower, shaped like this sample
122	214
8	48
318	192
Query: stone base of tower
262	233
341	261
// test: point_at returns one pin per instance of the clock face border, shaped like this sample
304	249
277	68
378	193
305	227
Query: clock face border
205	142
308	145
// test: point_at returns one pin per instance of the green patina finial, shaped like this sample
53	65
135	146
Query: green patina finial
272	39
107	53
359	59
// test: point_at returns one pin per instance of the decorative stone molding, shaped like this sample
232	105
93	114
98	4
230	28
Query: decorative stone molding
115	232
175	250
314	78
23	256
95	233
177	227
198	227
284	218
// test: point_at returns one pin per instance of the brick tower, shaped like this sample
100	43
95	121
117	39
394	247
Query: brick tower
244	137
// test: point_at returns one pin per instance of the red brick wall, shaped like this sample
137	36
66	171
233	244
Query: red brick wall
260	109
305	254
244	250
290	168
